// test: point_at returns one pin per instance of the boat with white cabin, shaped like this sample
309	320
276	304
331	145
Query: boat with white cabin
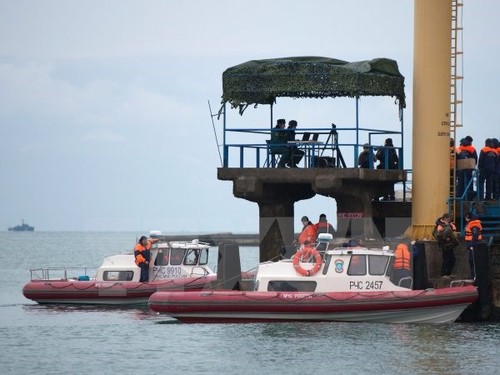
174	266
333	284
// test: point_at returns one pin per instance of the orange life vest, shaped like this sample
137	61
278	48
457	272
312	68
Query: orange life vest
308	234
469	149
402	257
142	253
468	230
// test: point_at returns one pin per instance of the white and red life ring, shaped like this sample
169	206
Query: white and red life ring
306	252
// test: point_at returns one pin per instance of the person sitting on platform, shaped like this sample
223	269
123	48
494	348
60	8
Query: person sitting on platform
365	156
295	152
278	141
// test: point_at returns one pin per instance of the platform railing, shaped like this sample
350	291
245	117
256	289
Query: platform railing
255	151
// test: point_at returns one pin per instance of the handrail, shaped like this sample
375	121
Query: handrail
236	153
462	200
44	274
262	151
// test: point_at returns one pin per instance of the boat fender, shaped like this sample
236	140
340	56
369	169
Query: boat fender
306	252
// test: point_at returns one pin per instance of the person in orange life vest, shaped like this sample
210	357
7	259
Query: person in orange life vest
323	226
142	254
496	177
487	167
473	236
464	176
401	267
308	234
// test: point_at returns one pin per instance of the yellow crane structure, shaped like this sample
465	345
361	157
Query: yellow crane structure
435	66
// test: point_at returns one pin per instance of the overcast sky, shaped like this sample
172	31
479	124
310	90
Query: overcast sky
104	116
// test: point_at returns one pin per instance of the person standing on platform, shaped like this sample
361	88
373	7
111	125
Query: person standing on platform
142	254
388	154
496	177
445	232
487	168
465	166
473	236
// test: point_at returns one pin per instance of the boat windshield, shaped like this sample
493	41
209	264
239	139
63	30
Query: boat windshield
378	264
196	256
162	257
357	265
176	257
191	258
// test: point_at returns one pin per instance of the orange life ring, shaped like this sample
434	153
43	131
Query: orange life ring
307	252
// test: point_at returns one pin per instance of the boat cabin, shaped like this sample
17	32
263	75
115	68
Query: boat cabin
340	269
169	260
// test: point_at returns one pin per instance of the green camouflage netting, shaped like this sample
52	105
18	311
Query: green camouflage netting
262	81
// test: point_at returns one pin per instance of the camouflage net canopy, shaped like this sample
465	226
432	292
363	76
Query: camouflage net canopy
262	81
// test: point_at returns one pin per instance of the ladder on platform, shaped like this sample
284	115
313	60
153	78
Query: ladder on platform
456	90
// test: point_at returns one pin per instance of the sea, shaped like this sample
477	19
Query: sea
39	339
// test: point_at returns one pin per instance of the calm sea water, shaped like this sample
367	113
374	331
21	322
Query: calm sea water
37	339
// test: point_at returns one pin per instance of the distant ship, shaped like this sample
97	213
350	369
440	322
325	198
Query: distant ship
22	228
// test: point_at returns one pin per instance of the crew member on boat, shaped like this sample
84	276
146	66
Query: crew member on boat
309	232
142	254
401	267
473	237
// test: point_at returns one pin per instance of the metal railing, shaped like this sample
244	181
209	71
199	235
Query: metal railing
258	154
58	273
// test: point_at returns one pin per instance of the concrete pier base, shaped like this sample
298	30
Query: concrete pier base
276	190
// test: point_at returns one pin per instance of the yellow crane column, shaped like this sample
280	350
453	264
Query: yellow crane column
431	107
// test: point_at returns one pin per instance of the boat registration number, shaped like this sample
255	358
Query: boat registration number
365	285
168	272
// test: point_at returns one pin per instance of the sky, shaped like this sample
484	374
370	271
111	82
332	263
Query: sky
104	115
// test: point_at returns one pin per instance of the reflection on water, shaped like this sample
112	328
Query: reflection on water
90	312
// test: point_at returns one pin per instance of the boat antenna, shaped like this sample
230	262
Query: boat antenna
215	133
